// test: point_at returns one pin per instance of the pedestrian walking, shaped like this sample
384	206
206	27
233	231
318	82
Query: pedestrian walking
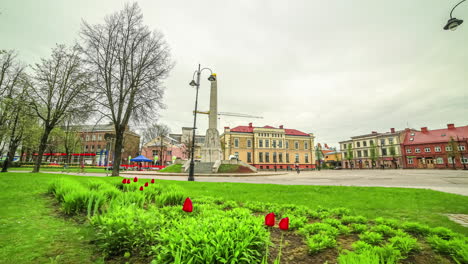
297	168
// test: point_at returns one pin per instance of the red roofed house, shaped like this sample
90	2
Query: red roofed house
268	147
432	148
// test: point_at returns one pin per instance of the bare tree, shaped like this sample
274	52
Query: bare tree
60	88
128	62
157	131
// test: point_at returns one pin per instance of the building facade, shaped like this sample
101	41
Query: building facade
269	147
186	138
372	150
432	149
98	144
164	148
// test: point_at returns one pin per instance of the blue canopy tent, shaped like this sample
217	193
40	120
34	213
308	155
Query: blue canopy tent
140	159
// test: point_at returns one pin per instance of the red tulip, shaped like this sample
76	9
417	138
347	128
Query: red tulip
284	223
128	181
146	184
270	219
124	181
188	207
141	188
152	180
135	179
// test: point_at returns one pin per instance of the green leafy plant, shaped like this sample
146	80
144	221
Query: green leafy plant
416	228
319	242
351	219
319	228
457	247
371	237
404	244
358	228
385	230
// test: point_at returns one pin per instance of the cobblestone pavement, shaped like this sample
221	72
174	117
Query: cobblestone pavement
451	181
461	219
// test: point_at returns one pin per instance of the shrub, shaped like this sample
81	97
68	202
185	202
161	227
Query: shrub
295	221
371	237
373	255
76	201
320	242
404	244
340	211
331	221
443	232
360	246
172	195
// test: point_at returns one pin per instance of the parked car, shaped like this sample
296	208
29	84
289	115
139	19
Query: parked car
337	168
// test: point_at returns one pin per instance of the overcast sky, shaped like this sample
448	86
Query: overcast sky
334	68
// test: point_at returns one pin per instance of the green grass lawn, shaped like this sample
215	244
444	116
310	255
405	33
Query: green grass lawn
94	170
34	231
173	168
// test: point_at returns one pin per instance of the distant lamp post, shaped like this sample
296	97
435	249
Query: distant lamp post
196	84
453	22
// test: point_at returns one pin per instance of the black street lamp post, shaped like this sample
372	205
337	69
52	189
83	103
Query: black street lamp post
453	22
197	85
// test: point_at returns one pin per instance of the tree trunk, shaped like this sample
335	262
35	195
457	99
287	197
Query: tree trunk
11	154
42	147
119	135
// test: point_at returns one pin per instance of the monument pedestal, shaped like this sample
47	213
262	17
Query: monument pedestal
211	151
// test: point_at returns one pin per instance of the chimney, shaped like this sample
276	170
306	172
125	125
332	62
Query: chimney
226	127
281	126
392	130
374	132
424	129
250	124
450	126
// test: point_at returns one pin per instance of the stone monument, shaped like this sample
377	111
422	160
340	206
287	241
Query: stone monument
211	150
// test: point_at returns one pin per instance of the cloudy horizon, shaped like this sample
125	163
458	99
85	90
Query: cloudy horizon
336	69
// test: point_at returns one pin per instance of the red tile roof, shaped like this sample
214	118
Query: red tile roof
434	136
247	129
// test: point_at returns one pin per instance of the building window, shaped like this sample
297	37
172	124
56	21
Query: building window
358	144
427	149
437	149
274	157
236	142
249	143
297	158
296	144
411	139
384	152
448	148
440	160
410	160
260	143
86	148
169	153
366	153
412	134
371	142
382	142
344	146
287	157
260	156
417	150
249	156
92	148
461	147
464	160
390	141
280	143
359	154
99	147
99	137
87	138
364	143
155	153
280	157
306	145
306	157
273	143
267	143
450	160
267	156
287	144
408	150
93	137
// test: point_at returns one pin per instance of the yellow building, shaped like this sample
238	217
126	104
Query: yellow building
269	147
